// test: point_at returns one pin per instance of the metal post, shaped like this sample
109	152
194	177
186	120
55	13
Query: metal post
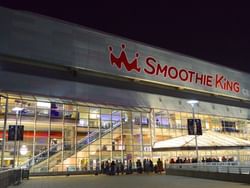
195	134
152	131
15	138
34	138
122	140
141	138
4	131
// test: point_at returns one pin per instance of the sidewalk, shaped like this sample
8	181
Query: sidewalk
125	181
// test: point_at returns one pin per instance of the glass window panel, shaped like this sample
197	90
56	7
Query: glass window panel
126	119
105	111
94	123
94	110
83	120
162	119
145	120
94	148
105	121
83	109
116	116
106	156
146	138
106	117
70	112
106	147
136	119
137	139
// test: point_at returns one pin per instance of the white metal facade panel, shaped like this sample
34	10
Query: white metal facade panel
48	40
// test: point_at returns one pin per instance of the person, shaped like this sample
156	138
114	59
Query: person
224	159
129	168
122	167
97	170
112	168
155	168
144	165
172	161
106	168
117	167
151	165
139	166
159	165
203	160
102	167
147	166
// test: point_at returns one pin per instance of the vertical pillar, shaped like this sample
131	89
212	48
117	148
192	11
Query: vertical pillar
34	137
15	138
152	130
141	138
4	130
195	132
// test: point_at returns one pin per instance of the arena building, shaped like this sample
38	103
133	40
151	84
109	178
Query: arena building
76	97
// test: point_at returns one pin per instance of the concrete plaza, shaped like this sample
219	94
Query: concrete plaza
125	181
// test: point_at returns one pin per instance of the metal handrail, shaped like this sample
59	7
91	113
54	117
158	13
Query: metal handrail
11	177
90	139
234	167
93	136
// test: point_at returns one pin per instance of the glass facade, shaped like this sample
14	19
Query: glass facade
63	135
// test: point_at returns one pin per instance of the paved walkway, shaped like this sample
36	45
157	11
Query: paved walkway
125	181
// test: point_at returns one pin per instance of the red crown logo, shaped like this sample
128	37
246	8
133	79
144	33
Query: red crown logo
122	59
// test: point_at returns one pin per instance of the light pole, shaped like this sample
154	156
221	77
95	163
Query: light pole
192	103
17	110
4	132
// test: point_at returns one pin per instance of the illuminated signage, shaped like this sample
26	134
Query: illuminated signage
153	68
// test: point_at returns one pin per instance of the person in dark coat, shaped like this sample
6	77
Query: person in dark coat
112	168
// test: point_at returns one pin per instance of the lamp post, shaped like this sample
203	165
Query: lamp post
17	110
192	103
4	132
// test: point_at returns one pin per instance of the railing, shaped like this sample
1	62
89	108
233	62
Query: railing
92	137
41	156
12	176
220	167
95	135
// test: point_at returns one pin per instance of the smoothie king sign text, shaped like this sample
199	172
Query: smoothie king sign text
153	68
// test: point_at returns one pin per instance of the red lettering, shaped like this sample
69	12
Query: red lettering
191	73
152	67
170	72
204	79
236	87
150	63
228	85
161	70
218	81
198	77
209	80
183	74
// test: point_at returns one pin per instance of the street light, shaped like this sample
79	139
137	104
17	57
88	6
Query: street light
17	110
192	103
23	150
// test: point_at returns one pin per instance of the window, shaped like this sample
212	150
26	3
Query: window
228	126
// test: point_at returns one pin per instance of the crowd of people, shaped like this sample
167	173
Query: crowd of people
147	165
185	160
117	167
112	168
207	160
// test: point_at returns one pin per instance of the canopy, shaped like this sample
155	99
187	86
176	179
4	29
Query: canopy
209	140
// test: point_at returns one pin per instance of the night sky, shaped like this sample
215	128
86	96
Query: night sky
218	33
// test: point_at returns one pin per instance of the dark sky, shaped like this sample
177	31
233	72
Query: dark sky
219	33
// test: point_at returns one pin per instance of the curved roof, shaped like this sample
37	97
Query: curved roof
209	139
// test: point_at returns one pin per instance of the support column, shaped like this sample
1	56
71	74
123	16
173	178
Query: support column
4	131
